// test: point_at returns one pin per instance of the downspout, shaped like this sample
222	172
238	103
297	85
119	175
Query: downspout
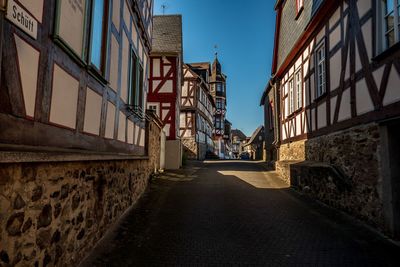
277	117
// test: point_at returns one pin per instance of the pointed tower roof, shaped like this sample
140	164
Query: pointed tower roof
216	71
216	66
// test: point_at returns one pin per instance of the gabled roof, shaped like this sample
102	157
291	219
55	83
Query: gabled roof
238	133
266	91
288	43
254	135
167	34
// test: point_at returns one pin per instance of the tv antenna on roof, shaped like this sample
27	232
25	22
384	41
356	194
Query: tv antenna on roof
164	7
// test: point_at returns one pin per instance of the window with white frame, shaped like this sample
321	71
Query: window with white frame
291	97
320	69
299	90
388	23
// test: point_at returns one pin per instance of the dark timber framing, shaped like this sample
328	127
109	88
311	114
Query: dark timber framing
18	128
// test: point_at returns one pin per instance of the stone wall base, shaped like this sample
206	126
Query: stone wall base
341	169
53	213
190	148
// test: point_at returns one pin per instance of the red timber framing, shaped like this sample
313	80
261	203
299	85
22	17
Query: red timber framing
164	92
357	88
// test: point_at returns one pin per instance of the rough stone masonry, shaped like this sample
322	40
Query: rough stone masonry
53	213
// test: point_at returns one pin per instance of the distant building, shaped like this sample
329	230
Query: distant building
228	139
271	124
238	138
254	145
218	91
197	113
166	81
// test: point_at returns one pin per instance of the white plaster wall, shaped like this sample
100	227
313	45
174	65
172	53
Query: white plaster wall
125	68
142	135
392	91
64	98
333	107
335	37
114	73
110	120
28	61
167	87
313	128
136	135
35	7
156	67
298	125
130	131
345	107
92	112
322	116
134	35
127	14
363	6
335	70
334	18
367	35
122	127
363	99
116	13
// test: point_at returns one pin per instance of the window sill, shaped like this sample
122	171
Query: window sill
97	75
387	53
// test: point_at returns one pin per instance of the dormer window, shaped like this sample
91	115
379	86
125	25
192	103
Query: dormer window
299	7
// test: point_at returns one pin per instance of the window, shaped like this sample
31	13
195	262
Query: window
218	123
299	6
98	30
389	23
135	97
291	97
219	104
320	72
299	90
72	19
219	87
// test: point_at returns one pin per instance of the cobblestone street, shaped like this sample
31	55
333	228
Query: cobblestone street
235	213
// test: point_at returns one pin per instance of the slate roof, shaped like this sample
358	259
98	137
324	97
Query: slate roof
167	34
254	135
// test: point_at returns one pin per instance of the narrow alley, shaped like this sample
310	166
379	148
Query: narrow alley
235	213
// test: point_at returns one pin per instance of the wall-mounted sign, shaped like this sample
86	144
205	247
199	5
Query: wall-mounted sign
21	18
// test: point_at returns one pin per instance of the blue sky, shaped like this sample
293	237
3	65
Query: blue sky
244	34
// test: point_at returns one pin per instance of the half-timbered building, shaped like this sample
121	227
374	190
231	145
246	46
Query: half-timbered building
336	72
238	139
218	91
166	81
197	112
78	79
75	138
